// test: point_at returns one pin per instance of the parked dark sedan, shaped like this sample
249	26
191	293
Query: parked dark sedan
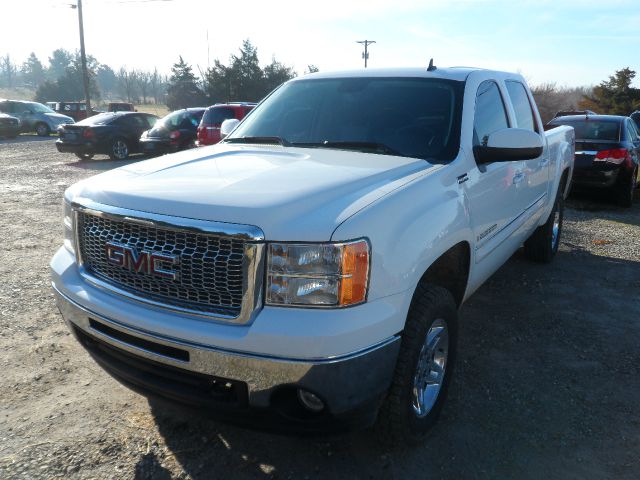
176	131
607	153
9	126
114	134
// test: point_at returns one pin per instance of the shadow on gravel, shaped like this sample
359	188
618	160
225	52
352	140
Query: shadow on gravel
546	386
597	201
104	164
26	138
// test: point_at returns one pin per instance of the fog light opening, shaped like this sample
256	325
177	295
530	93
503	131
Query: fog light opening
310	401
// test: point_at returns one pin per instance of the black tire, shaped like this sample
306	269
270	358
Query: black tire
84	156
625	190
398	420
543	244
42	129
119	149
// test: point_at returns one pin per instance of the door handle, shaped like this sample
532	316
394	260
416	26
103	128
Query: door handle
518	177
544	162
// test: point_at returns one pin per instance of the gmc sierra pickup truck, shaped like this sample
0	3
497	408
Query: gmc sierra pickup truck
309	269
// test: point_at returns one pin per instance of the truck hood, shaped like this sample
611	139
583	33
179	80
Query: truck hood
296	194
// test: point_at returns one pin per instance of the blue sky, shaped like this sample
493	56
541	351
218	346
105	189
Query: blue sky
567	42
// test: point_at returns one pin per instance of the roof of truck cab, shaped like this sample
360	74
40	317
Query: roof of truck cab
451	73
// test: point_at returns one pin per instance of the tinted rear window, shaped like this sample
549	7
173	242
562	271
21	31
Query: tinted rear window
218	115
593	129
100	119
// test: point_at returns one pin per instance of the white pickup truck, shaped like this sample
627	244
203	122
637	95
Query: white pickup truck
309	269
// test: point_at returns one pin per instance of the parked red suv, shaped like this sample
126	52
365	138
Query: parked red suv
209	128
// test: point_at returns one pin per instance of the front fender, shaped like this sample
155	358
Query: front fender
409	229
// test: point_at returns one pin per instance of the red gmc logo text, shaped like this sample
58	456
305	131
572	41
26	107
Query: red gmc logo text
151	263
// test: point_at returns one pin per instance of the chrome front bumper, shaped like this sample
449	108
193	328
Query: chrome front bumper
344	383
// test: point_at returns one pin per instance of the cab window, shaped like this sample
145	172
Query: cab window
521	106
491	114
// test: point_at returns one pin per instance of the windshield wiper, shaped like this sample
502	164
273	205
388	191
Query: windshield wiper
265	140
372	147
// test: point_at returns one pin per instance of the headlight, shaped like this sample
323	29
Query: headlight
69	240
321	275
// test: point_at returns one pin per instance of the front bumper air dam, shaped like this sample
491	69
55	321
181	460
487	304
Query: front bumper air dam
236	385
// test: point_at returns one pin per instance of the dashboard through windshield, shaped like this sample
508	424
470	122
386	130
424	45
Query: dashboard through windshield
412	117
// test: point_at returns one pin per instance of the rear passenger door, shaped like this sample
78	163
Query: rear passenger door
535	173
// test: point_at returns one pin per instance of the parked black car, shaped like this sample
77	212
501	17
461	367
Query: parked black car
176	131
564	113
607	153
9	126
115	134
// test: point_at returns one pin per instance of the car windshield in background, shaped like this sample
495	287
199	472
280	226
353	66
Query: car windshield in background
39	108
607	130
412	117
100	119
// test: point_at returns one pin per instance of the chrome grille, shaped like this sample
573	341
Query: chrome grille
209	272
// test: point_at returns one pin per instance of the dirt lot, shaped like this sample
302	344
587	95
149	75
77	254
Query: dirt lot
547	386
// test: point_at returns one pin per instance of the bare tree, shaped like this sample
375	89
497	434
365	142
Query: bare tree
144	83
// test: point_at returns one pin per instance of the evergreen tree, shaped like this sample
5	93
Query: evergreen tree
106	79
615	96
275	75
243	79
33	71
245	74
59	61
8	71
183	90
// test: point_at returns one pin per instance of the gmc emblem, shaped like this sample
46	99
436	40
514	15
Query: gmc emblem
151	263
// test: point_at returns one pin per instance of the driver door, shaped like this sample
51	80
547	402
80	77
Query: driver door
493	187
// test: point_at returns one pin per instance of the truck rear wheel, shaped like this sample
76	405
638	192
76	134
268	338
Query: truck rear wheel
423	369
543	244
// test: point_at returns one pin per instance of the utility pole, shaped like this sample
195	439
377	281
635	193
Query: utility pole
365	54
83	58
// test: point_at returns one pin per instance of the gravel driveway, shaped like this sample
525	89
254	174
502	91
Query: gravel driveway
547	386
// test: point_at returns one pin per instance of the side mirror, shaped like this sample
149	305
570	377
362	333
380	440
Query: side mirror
228	126
509	144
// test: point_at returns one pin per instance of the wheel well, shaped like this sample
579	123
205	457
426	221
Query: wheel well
451	271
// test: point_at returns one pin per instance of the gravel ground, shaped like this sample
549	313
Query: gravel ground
547	383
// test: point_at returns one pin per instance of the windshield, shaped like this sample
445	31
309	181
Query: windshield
39	108
413	117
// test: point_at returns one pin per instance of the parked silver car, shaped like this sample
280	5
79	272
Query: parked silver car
34	117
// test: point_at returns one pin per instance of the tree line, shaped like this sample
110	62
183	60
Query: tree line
614	96
243	79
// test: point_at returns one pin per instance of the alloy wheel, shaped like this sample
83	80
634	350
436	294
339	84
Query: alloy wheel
431	367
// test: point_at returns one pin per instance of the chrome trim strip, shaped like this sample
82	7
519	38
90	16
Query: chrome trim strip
586	152
147	219
192	348
494	242
253	260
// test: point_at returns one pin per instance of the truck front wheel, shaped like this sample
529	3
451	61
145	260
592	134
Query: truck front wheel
423	369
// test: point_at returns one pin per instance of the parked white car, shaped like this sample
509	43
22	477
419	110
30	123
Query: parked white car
311	266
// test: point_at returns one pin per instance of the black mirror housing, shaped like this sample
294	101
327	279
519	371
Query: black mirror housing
509	145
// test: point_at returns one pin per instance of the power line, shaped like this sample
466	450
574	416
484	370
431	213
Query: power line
365	54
